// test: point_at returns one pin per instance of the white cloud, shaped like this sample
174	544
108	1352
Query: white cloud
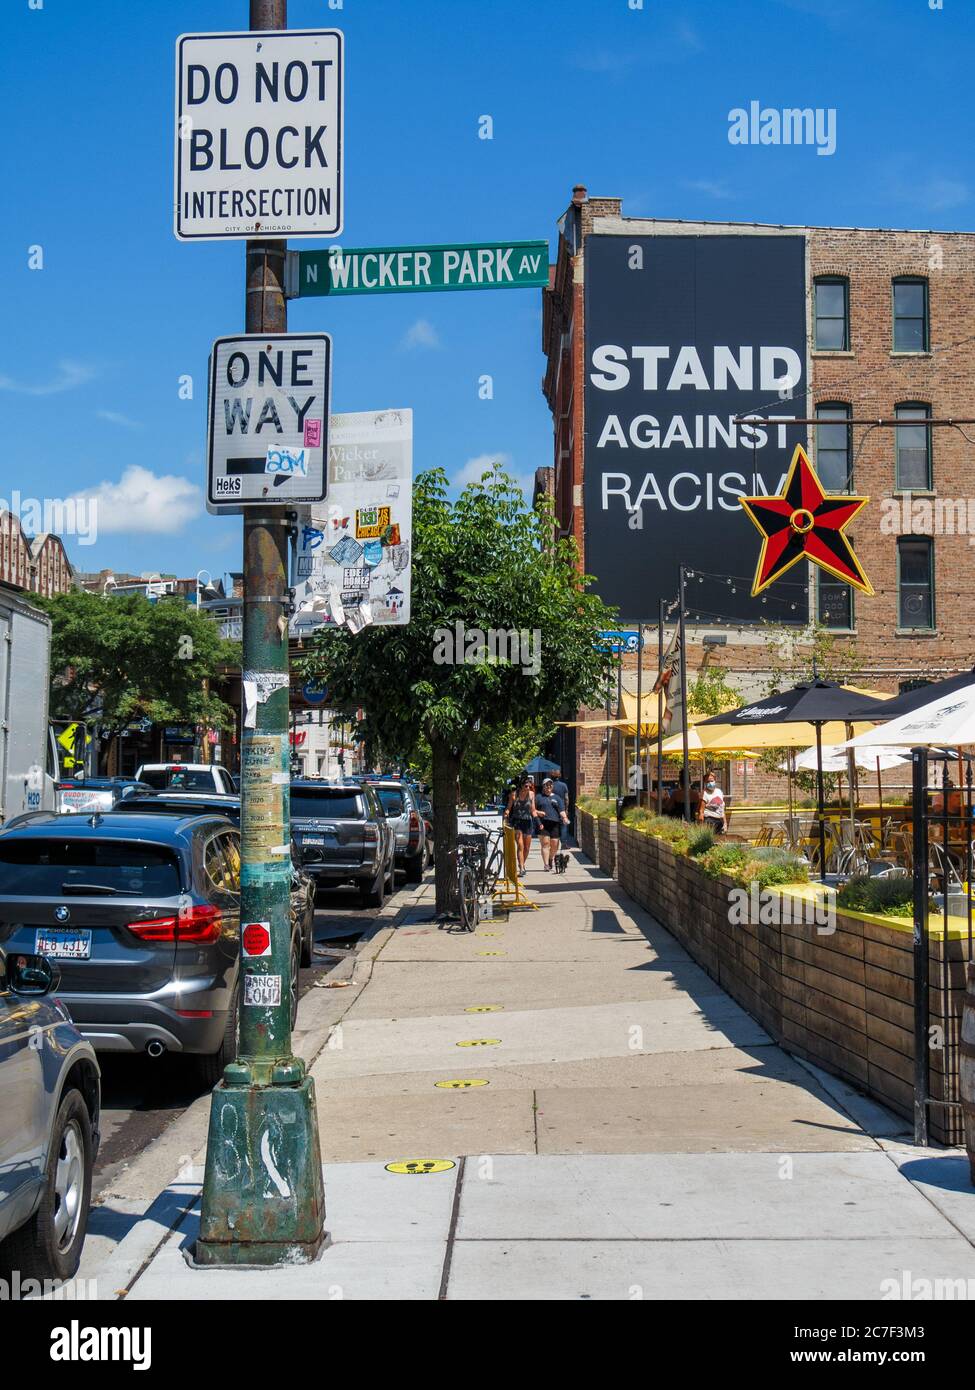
143	501
114	418
482	463
71	374
711	188
473	468
421	334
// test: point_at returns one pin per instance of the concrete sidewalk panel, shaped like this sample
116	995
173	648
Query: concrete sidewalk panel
726	1196
403	989
432	1122
771	1115
558	1034
703	1269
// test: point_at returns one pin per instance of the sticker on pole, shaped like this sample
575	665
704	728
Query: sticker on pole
262	991
259	134
256	938
265	392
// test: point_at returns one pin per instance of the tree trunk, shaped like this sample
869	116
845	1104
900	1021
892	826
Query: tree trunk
446	767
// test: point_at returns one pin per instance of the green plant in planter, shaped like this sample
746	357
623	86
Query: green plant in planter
700	839
767	874
723	859
884	897
597	806
637	816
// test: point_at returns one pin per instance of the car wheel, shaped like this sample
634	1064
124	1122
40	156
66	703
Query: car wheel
295	967
308	935
210	1065
372	895
49	1245
414	868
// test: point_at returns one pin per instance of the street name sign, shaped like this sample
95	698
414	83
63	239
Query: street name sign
268	420
487	265
259	134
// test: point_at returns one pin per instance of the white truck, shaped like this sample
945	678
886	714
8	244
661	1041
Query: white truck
28	753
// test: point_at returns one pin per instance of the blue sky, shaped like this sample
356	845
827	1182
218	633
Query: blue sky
630	102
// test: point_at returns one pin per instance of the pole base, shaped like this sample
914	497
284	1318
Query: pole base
263	1191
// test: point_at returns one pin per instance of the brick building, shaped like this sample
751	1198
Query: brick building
888	327
39	565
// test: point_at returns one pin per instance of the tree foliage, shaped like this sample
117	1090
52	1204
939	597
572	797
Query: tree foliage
482	564
115	660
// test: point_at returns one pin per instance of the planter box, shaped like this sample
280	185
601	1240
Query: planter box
843	1000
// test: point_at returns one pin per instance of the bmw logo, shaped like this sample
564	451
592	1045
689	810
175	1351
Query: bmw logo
62	914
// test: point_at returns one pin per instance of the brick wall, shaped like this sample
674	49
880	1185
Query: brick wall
873	380
843	1001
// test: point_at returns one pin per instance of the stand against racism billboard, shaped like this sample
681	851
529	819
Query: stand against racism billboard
683	333
353	561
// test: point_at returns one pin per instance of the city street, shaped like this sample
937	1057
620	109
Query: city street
487	678
142	1097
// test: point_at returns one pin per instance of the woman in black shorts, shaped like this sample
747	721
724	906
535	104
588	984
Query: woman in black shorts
520	815
551	814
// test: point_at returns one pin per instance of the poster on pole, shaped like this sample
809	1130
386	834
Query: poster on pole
259	134
353	558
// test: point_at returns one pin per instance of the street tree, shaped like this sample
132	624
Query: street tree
115	660
495	754
502	628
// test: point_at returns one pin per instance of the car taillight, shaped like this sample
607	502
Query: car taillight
414	827
200	924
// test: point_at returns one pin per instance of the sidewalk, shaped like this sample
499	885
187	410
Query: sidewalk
634	1133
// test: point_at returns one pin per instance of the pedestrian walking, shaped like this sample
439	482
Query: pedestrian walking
520	814
712	806
550	810
561	790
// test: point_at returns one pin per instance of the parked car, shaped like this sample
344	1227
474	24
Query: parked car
186	777
142	915
49	1118
94	793
202	803
402	809
343	835
426	811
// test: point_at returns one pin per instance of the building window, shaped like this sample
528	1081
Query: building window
834	447
835	602
910	315
912	449
915	582
832	314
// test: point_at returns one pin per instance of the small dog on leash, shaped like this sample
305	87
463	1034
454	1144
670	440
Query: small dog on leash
561	862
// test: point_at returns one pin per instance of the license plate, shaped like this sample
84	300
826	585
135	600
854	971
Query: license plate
67	945
314	840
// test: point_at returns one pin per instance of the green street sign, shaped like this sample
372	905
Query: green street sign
486	265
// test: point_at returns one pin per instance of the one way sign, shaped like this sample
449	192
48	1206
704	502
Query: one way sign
268	426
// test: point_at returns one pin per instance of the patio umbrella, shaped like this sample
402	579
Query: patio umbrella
947	720
541	764
911	700
816	702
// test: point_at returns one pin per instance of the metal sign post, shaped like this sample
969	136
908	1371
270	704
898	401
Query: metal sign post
263	1192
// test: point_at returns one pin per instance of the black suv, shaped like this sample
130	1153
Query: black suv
142	915
343	834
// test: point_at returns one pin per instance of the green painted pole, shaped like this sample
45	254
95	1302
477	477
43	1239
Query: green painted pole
263	1191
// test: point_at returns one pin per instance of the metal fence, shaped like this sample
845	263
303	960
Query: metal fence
942	829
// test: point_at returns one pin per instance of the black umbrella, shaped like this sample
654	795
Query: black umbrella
911	699
815	702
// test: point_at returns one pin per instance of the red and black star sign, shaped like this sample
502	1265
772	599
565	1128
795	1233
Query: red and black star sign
805	522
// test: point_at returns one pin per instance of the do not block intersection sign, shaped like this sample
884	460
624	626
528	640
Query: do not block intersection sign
259	134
